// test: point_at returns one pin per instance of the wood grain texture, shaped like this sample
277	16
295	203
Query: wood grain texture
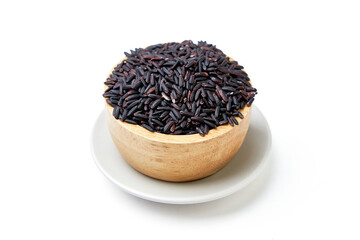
177	158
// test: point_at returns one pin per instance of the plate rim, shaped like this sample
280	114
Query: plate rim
188	200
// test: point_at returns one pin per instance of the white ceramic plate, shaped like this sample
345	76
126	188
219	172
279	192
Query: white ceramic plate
242	169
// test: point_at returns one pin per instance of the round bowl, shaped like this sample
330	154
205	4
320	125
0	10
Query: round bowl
177	158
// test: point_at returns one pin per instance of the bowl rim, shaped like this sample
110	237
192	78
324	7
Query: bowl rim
178	139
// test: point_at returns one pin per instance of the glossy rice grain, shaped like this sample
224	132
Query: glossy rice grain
179	88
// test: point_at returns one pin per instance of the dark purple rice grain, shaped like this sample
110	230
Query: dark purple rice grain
164	108
229	105
151	112
151	124
209	110
168	126
132	110
197	119
130	121
224	117
156	113
250	89
176	113
223	95
250	101
193	107
230	121
192	79
210	124
154	96
175	106
178	132
138	119
140	115
148	127
200	131
206	129
149	90
172	115
124	115
164	88
116	112
217	100
198	110
191	132
173	97
172	129
134	96
108	101
185	113
178	88
197	103
197	95
229	89
234	120
161	124
155	103
217	111
223	122
166	113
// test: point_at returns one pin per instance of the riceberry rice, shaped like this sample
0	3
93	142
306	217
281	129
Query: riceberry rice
179	88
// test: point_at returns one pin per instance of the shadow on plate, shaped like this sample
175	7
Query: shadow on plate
228	205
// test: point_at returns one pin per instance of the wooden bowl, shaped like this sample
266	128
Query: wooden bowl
177	158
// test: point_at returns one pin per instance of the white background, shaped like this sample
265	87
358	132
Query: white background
303	56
